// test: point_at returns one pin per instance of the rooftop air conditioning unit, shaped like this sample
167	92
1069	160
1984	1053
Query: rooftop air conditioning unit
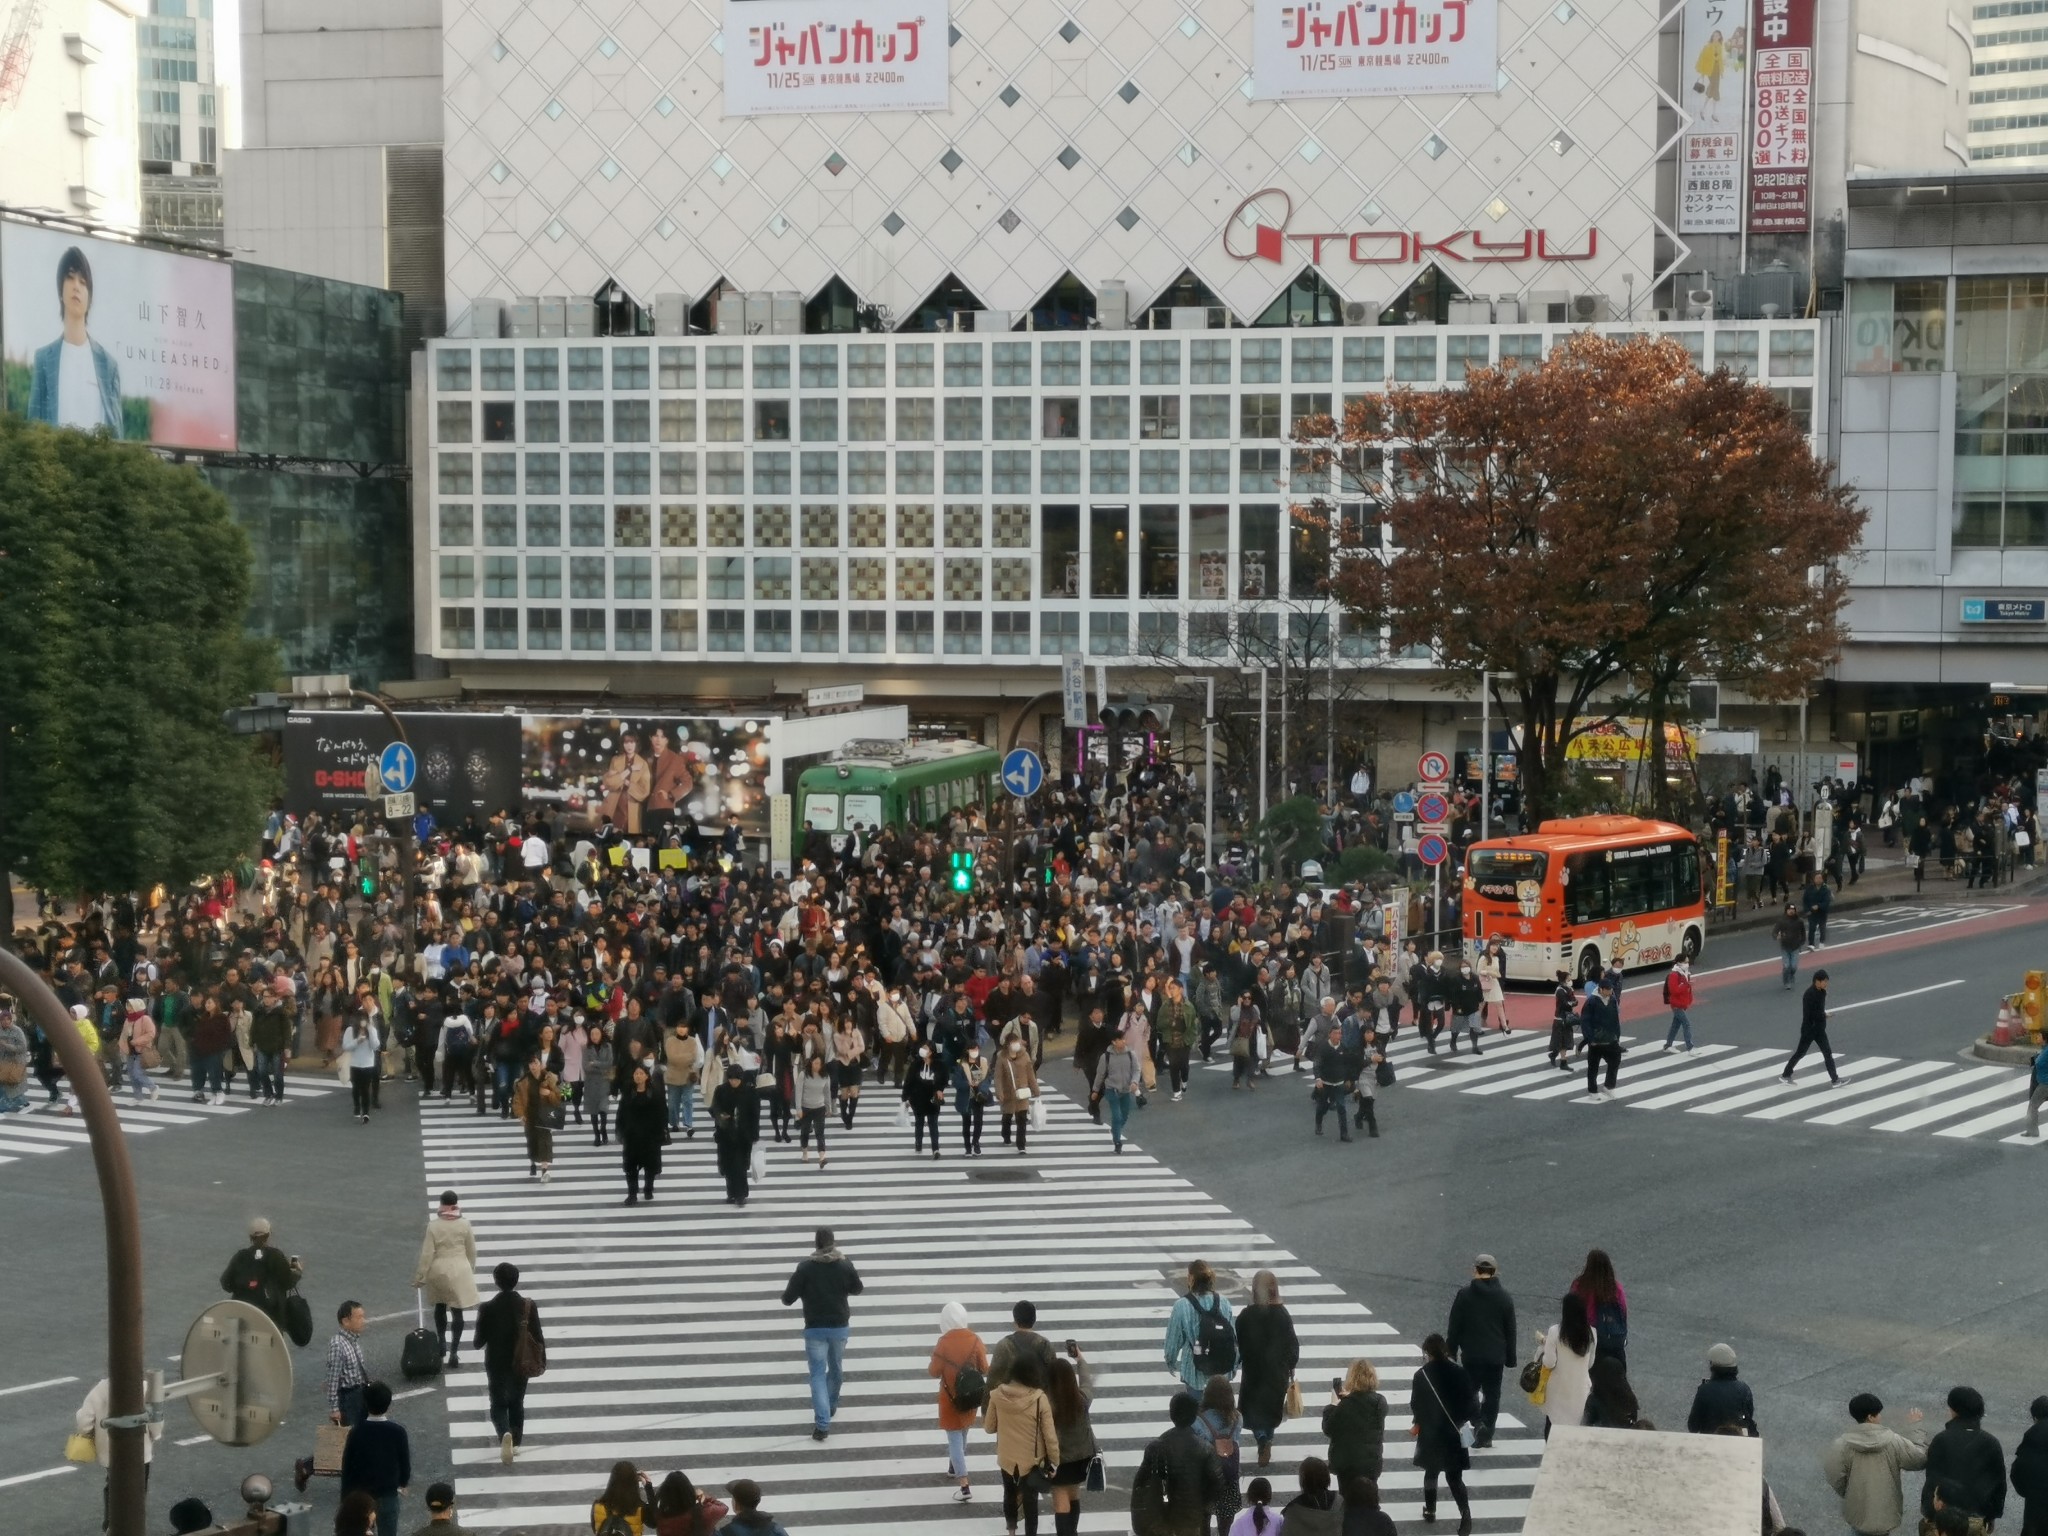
1667	314
554	315
786	313
991	320
732	314
1113	306
1699	303
522	317
1194	317
1551	307
671	314
1356	313
1589	307
760	313
487	318
1471	312
582	317
1507	310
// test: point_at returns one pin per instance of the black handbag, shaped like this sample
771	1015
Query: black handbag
1038	1479
1097	1480
1383	1074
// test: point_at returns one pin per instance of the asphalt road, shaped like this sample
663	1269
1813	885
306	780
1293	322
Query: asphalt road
1835	1258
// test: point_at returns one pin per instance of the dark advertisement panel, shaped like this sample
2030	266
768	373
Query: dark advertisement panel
468	763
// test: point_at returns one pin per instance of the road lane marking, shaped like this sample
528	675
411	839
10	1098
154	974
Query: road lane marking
32	1477
1872	1002
36	1386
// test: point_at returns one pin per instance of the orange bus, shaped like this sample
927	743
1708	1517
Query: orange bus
1582	893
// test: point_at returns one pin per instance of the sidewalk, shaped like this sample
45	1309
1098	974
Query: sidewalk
1886	878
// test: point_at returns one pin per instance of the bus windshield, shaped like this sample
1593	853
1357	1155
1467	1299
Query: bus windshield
1496	872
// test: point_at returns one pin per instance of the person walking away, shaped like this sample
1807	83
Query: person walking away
1070	1388
91	1419
1964	1463
643	1123
748	1518
1019	1415
1316	1510
1814	902
1599	1292
1178	1477
680	1053
441	1521
1567	1355
1257	1517
1789	933
1564	1019
502	1323
1114	1086
1813	1028
1864	1465
2037	1093
1600	1028
1355	1424
1481	1337
679	1509
1016	1084
1200	1341
260	1274
1268	1353
813	1103
735	1127
377	1459
825	1282
534	1101
1721	1399
1220	1425
446	1272
623	1507
924	1090
958	1359
1678	998
2030	1470
1022	1339
1440	1400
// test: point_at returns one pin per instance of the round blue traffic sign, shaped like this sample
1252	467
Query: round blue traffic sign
1432	849
1432	808
1023	773
396	768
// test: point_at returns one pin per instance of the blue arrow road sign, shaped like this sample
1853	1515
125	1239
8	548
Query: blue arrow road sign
396	768
1023	773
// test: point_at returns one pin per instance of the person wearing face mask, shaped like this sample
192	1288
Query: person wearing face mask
924	1091
896	1025
972	1091
1016	1089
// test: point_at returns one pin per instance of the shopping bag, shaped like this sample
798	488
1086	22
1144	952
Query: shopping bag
902	1114
329	1440
759	1166
1292	1407
1038	1114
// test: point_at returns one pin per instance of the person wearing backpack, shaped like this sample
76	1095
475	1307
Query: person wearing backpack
1222	1428
623	1508
1201	1339
960	1362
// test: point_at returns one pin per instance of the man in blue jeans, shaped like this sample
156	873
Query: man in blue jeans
825	1283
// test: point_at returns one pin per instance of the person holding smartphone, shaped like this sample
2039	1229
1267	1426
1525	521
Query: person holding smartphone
1355	1424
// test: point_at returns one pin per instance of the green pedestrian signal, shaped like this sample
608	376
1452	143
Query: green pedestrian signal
963	869
369	885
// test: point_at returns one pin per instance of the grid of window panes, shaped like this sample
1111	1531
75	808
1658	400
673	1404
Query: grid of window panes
949	499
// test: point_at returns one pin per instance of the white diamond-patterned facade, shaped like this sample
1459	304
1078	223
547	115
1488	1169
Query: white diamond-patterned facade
588	144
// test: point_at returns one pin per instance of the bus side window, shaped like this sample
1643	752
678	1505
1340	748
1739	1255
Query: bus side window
1660	882
1587	896
1688	882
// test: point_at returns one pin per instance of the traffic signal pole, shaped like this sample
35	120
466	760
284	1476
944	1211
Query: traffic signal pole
408	843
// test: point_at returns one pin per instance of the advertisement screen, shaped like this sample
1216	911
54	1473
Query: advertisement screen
836	56
1307	48
468	763
97	334
648	775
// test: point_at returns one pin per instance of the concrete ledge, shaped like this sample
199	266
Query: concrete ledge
2005	1055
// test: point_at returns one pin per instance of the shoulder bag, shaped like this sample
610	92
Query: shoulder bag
1039	1478
529	1355
1466	1433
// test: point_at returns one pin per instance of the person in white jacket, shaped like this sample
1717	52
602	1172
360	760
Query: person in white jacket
91	1419
1568	1348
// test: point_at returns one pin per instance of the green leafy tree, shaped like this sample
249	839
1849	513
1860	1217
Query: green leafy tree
124	582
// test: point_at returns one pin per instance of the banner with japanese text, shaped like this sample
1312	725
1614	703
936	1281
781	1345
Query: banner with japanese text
1781	146
836	56
1712	150
1309	48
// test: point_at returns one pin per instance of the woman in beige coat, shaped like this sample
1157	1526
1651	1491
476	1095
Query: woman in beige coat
1016	1087
446	1272
1019	1415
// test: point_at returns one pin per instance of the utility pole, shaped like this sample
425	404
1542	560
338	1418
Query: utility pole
407	840
1485	753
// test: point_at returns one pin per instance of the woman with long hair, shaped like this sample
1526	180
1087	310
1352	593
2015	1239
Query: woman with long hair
533	1103
357	1516
598	1063
1440	1399
1070	1386
849	1047
680	1510
813	1099
1221	1427
1257	1516
1567	1353
626	1496
1019	1415
1606	1304
1362	1513
1267	1352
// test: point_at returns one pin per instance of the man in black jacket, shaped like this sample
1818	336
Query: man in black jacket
1179	1478
1813	1027
1481	1336
1964	1463
260	1274
825	1282
1600	1031
735	1127
499	1324
1334	1073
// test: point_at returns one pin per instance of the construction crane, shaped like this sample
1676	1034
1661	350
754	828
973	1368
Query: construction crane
18	49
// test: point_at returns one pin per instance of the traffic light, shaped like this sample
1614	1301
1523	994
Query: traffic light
369	884
1135	716
963	869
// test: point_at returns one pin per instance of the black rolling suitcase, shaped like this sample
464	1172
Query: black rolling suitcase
421	1355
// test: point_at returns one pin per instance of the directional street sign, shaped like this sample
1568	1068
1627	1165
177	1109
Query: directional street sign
1023	773
1432	810
1433	768
396	768
1404	803
1432	849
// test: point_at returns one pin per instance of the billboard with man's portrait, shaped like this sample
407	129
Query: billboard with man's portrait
649	775
102	335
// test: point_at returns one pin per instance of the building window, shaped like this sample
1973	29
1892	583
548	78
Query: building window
725	473
821	631
1059	362
771	630
963	580
820	578
1013	363
1158	471
866	362
543	421
771	367
629	421
458	524
1258	471
586	527
963	418
1060	417
1059	634
586	474
678	474
586	367
1211	416
1059	471
1158	362
1365	359
1208	634
501	474
867	473
727	526
1737	352
724	369
543	575
1529	349
543	370
495	368
725	629
501	576
632	577
914	634
1467	353
1012	423
501	525
771	579
678	578
771	527
587	629
1159	634
629	368
914	420
1159	552
457	474
771	421
725	576
771	474
543	629
867	631
543	474
1258	570
1010	634
630	474
725	421
1109	362
963	365
678	629
963	634
1010	472
820	418
458	576
678	367
458	629
679	526
1262	361
1059	546
1798	399
818	368
543	526
1109	470
501	421
1159	416
452	368
587	576
1209	471
963	527
1356	638
1210	363
1109	634
452	420
1791	354
914	365
1415	358
818	474
633	629
1311	360
586	421
1258	415
1109	418
1303	406
913	472
1109	563
914	527
867	421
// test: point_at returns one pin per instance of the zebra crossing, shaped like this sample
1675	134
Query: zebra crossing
667	1345
1950	1099
44	1129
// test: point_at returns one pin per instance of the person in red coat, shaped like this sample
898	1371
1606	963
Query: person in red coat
1678	996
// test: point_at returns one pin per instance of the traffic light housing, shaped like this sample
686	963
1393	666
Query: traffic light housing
963	870
369	885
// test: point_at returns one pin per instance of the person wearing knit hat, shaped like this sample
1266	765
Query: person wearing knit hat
1721	1401
446	1274
260	1274
188	1515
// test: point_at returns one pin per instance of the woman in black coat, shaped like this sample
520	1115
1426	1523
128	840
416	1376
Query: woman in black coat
735	1127
924	1090
1355	1424
2030	1471
641	1118
1440	1399
1267	1352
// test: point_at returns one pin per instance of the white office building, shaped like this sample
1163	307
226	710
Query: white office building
68	120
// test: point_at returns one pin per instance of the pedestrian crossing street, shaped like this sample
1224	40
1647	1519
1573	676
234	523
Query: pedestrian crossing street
44	1129
1950	1099
667	1345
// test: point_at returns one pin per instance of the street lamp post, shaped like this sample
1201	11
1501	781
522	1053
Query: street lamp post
1485	753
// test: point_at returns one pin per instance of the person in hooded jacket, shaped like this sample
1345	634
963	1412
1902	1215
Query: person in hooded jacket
2030	1470
1721	1399
1863	1467
959	1347
735	1127
643	1121
924	1090
1964	1462
1178	1478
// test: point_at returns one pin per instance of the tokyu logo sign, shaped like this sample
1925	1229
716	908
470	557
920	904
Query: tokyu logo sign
1257	231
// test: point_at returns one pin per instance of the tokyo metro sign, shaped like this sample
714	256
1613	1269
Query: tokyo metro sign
1380	247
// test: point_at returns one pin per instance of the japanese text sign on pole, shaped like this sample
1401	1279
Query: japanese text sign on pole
1781	142
1073	692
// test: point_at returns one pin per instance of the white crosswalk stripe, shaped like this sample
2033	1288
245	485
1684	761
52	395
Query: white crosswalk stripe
668	1347
45	1128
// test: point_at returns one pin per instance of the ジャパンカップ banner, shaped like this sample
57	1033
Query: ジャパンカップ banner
1310	48
836	56
103	335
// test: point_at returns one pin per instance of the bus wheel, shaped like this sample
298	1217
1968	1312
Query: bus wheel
1689	946
1590	968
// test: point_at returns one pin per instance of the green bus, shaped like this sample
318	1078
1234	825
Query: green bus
872	784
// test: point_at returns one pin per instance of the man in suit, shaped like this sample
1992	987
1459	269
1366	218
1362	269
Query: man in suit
499	1325
669	778
76	382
